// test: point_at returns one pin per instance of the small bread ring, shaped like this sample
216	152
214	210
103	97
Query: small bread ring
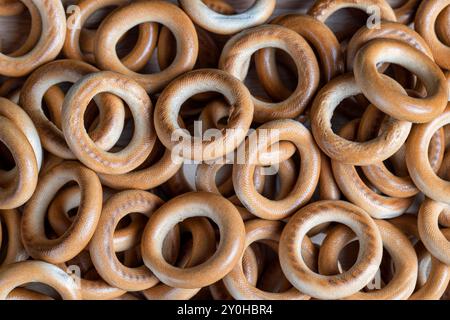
43	80
400	249
424	24
229	250
321	38
387	30
379	175
268	134
50	43
101	247
219	23
188	85
202	248
343	150
338	286
435	240
236	57
17	274
126	17
15	252
323	9
385	95
21	188
439	276
236	282
357	191
419	167
80	143
77	237
135	60
70	198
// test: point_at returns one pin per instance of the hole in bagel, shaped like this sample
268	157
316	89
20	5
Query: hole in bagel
18	29
227	7
354	20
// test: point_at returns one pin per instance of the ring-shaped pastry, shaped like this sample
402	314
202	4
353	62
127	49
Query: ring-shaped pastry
236	282
236	57
419	166
266	135
318	35
180	140
378	174
77	237
51	41
101	247
125	18
337	286
386	96
42	82
194	204
436	282
395	242
21	187
219	23
350	152
135	60
358	192
17	274
425	23
81	144
437	241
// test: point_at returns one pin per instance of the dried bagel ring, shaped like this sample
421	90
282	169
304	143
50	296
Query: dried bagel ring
19	190
437	241
318	35
343	150
229	250
379	175
17	274
435	283
188	85
385	95
357	191
323	9
236	282
80	143
338	286
20	118
124	18
15	252
236	56
387	30
135	60
43	80
101	247
219	23
308	176
35	30
202	247
124	238
419	167
400	249
77	237
49	45
424	24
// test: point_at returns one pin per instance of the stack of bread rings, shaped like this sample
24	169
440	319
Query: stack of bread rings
219	149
